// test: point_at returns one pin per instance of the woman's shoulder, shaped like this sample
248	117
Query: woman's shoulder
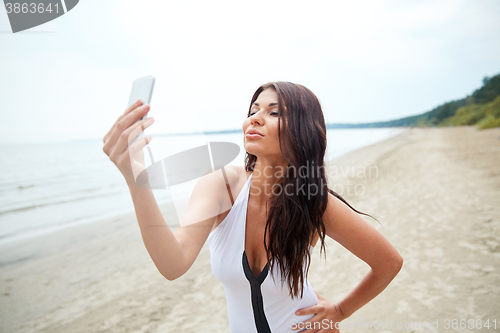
236	176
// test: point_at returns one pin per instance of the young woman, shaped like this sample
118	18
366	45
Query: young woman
261	242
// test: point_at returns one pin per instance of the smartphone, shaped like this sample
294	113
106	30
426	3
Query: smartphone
142	88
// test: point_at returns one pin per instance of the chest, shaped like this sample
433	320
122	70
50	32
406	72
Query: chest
256	218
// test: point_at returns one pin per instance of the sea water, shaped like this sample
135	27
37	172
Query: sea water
48	186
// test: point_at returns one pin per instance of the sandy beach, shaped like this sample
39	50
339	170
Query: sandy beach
435	191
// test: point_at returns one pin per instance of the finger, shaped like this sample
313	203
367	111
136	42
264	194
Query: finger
126	120
135	156
122	124
135	151
127	110
309	310
133	106
127	137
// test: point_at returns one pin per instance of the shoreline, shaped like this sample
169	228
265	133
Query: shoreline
99	276
43	230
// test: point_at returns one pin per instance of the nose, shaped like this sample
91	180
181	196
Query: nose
256	118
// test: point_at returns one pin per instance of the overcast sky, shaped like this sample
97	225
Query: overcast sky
365	60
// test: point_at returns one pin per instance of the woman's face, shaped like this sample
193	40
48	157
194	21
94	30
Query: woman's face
263	117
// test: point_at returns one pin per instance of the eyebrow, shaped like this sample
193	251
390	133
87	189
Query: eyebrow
271	104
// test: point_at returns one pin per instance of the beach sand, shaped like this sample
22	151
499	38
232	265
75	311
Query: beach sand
435	191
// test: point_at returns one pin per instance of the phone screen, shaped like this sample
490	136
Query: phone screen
142	88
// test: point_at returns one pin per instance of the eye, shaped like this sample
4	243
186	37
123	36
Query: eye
274	113
251	113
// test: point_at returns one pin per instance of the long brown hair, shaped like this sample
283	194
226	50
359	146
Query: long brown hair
294	220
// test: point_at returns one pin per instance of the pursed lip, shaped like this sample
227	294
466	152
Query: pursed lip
253	131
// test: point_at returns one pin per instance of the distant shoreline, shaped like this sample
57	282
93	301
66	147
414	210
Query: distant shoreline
231	131
43	230
328	126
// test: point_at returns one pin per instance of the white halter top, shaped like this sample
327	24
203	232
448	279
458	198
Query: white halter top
254	304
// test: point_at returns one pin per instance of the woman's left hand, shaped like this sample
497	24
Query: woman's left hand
326	315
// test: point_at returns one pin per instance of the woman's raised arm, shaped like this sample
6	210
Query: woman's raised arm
173	253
